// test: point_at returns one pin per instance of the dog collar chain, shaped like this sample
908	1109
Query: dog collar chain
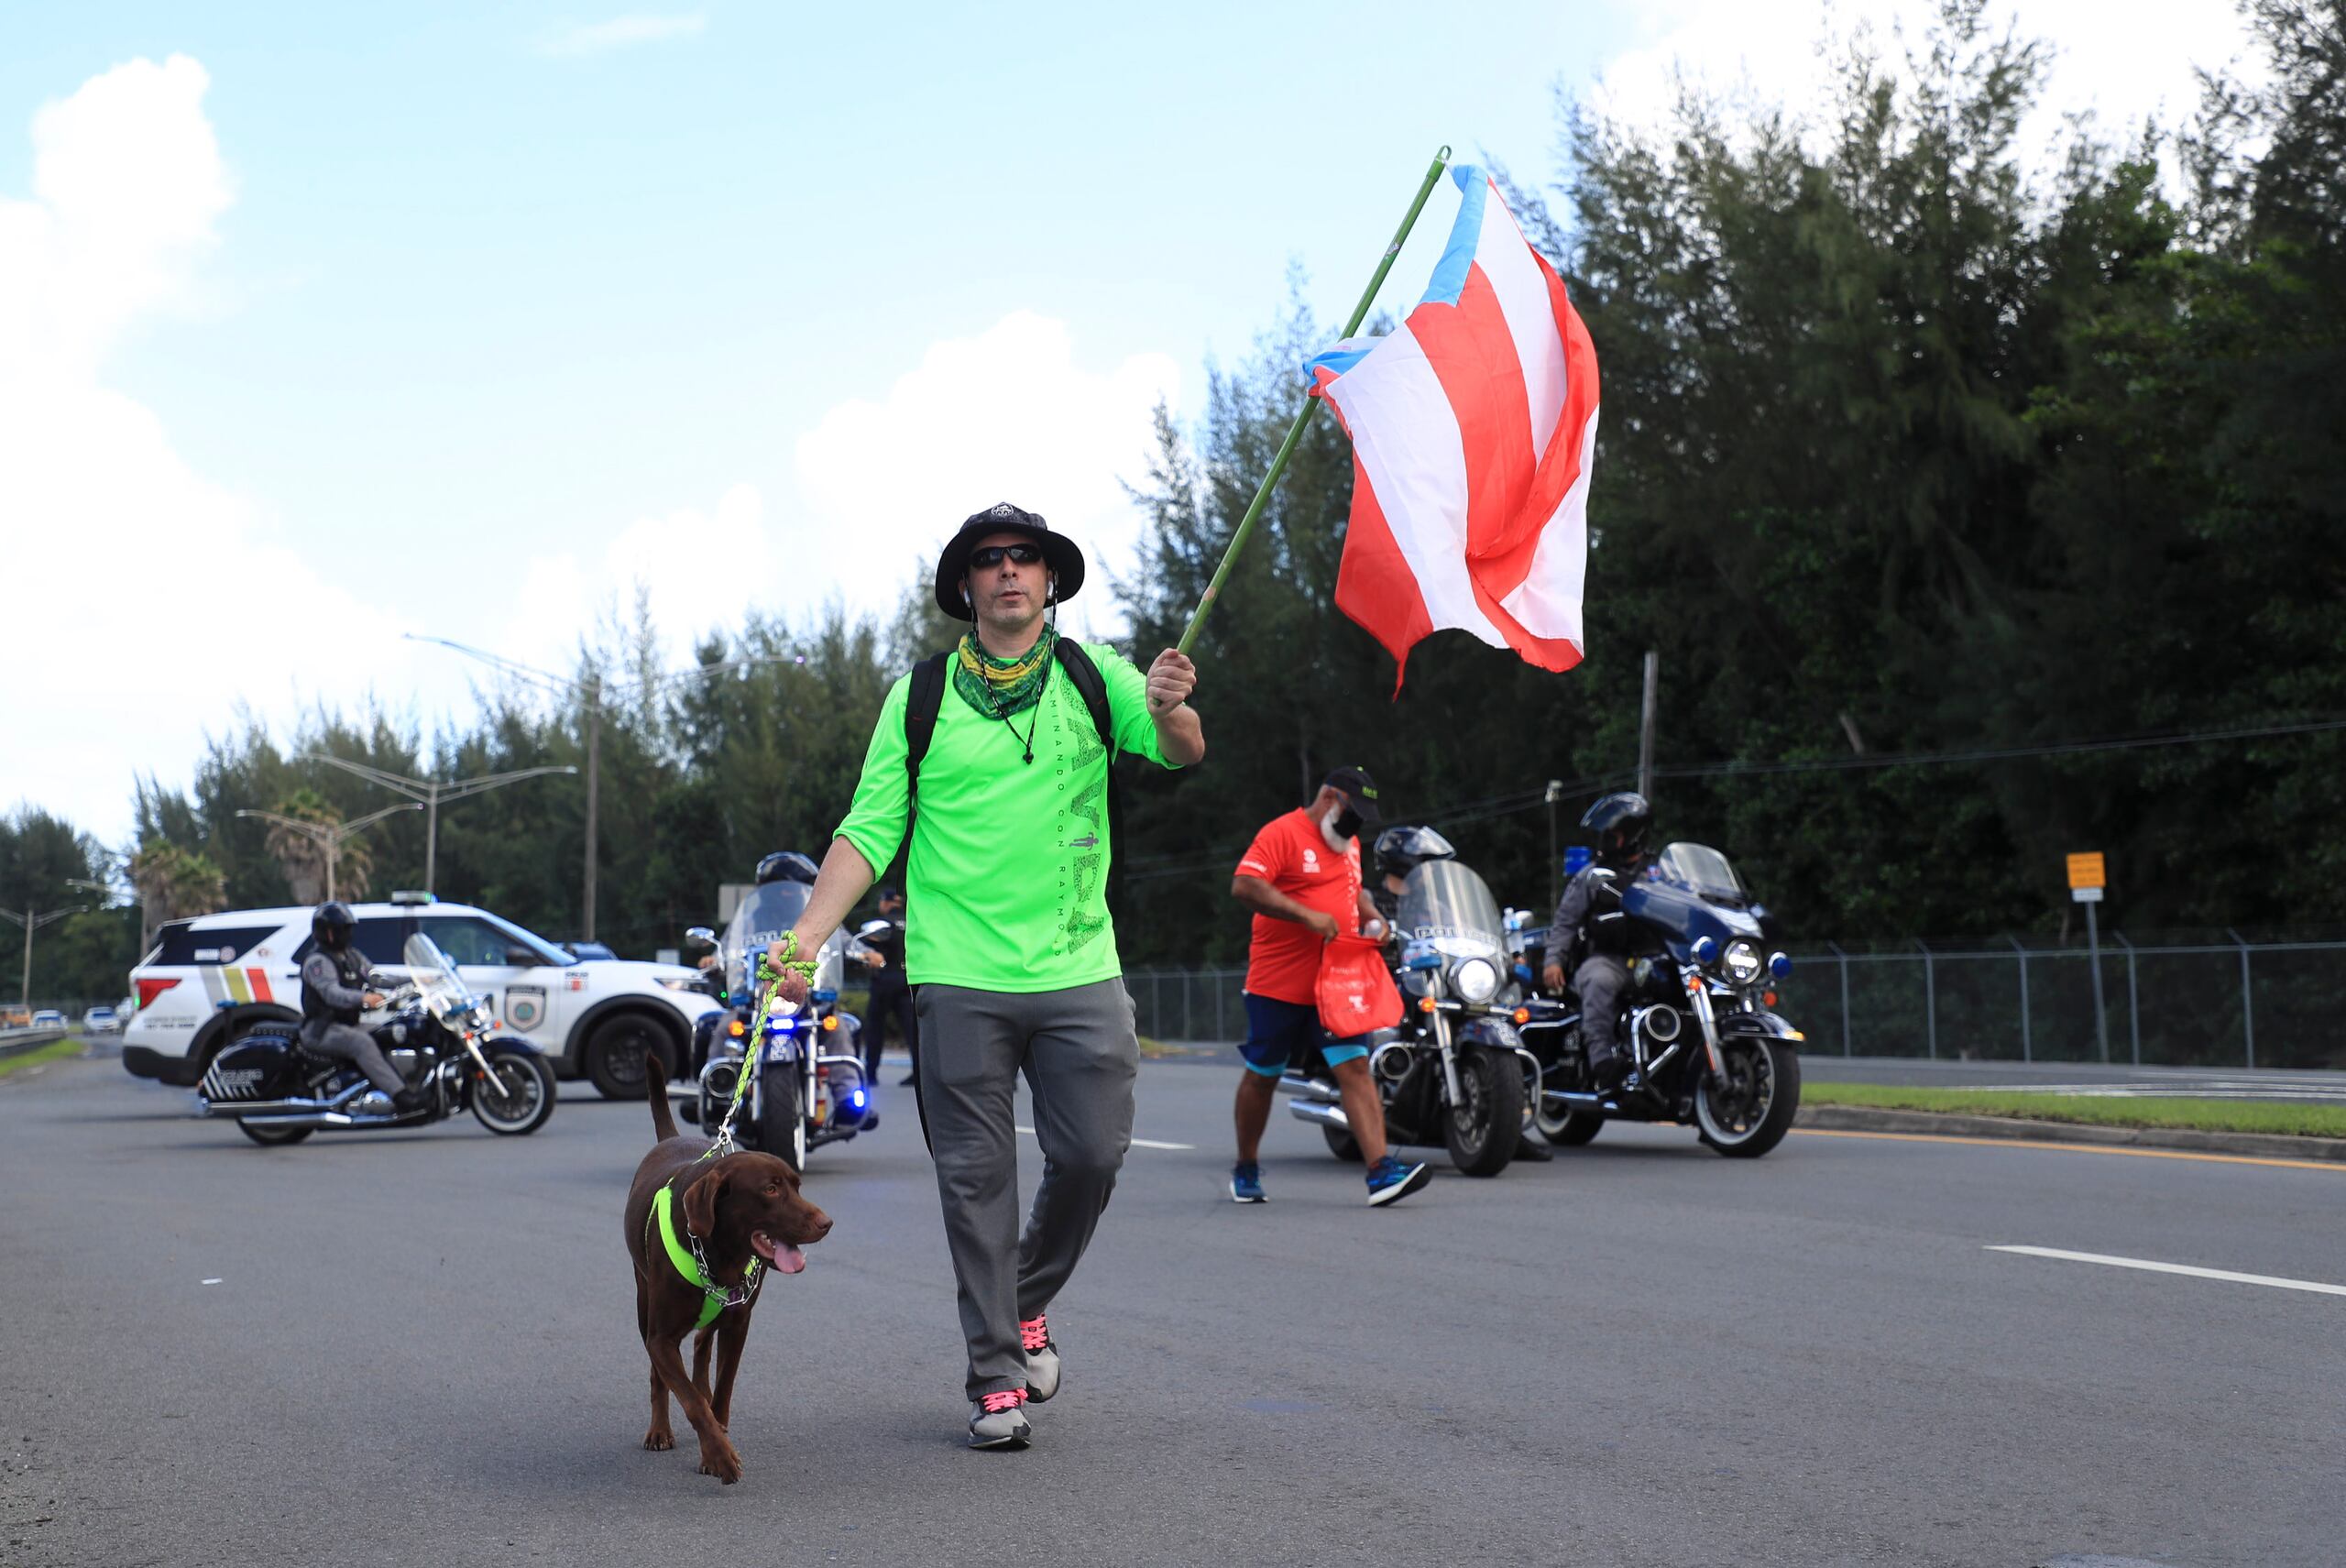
693	1264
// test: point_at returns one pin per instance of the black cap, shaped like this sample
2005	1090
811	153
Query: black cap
1059	554
1355	785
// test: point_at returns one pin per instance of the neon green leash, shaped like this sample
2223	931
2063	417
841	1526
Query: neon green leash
767	977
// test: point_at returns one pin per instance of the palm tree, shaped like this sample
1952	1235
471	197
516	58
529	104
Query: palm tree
172	884
302	855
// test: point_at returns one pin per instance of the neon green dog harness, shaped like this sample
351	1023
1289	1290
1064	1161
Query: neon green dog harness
688	1263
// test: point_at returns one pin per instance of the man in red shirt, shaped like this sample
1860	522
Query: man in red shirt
1302	878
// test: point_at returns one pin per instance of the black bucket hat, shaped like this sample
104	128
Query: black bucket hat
1059	554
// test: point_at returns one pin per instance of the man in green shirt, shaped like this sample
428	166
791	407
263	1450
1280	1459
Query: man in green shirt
1009	944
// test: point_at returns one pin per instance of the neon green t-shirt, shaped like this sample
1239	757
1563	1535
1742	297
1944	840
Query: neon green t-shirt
1006	886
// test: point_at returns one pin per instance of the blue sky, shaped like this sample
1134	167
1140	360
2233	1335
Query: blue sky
463	320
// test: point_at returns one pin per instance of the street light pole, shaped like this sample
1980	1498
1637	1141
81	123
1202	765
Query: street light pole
330	837
431	792
588	693
33	920
1645	725
1555	863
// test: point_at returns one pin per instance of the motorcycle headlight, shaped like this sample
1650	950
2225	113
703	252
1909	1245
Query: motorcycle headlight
1477	979
1743	965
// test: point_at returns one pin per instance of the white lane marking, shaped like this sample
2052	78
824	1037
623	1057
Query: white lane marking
1137	1143
2196	1272
212	1282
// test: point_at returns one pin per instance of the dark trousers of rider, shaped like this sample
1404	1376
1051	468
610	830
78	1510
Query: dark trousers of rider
892	1002
344	1042
1598	982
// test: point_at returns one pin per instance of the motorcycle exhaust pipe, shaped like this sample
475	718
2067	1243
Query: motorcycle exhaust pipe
1319	1112
1310	1090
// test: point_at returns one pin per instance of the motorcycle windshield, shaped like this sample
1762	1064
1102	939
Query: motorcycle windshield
1449	906
763	917
435	976
1701	870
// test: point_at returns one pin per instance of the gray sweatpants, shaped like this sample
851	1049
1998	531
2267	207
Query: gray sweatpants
356	1047
1079	1053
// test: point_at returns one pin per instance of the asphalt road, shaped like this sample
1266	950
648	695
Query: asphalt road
420	1348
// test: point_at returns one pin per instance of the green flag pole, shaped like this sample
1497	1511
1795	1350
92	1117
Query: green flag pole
1311	407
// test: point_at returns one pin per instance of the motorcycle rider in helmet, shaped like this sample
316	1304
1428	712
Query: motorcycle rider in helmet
1589	922
337	984
1399	851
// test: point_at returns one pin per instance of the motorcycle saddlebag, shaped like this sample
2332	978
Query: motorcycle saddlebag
1355	992
259	1067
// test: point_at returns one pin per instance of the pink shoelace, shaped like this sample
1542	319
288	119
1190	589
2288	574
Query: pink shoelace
1005	1399
1034	1335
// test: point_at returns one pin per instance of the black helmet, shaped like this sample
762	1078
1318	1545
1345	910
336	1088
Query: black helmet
785	865
330	924
1618	824
1400	851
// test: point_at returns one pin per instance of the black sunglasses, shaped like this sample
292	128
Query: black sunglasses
988	557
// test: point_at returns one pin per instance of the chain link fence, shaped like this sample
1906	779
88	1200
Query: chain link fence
2229	1004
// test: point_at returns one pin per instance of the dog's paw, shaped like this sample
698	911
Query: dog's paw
659	1440
721	1462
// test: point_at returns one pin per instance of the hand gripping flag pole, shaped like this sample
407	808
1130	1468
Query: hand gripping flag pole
1311	407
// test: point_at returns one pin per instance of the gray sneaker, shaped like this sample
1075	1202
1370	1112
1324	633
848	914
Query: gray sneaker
996	1421
1042	1359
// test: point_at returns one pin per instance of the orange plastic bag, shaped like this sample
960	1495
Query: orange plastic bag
1356	991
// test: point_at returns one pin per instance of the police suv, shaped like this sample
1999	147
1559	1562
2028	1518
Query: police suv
208	979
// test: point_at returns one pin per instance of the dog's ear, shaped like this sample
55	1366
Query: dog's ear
700	1203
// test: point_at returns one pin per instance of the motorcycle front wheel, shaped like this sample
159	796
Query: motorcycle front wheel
780	1124
1482	1130
273	1138
1749	1113
517	1095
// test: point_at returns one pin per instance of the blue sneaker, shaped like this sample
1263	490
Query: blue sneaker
1389	1180
1246	1183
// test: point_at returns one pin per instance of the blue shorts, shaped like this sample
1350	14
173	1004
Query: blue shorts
1277	1030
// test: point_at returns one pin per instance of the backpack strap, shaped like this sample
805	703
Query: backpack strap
921	704
1093	688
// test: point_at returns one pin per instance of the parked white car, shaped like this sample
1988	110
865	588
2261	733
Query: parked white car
48	1018
100	1020
208	979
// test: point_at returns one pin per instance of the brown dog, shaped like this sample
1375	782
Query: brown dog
724	1214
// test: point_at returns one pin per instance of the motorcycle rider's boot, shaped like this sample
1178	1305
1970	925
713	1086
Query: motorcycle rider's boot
1042	1358
408	1101
1532	1148
997	1421
1607	1073
1389	1180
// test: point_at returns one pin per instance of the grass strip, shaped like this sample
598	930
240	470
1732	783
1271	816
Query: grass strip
2288	1118
56	1051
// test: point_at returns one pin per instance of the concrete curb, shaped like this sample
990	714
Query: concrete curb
2264	1146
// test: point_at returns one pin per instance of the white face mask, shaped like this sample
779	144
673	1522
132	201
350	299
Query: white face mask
1336	842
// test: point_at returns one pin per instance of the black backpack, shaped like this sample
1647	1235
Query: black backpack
928	694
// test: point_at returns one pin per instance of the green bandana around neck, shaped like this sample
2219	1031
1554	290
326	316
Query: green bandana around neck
1001	687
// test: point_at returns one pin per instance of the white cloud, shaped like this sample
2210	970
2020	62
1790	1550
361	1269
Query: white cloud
699	571
2125	61
1006	415
150	598
621	32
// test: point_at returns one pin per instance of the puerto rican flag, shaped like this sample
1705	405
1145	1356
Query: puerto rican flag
1473	428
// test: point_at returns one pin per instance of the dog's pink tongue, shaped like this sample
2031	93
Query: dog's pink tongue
782	1257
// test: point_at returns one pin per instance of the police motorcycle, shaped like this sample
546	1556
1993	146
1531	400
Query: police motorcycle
805	1086
1455	1072
438	1037
1705	1047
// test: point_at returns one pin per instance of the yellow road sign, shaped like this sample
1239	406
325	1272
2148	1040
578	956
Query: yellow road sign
2086	870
